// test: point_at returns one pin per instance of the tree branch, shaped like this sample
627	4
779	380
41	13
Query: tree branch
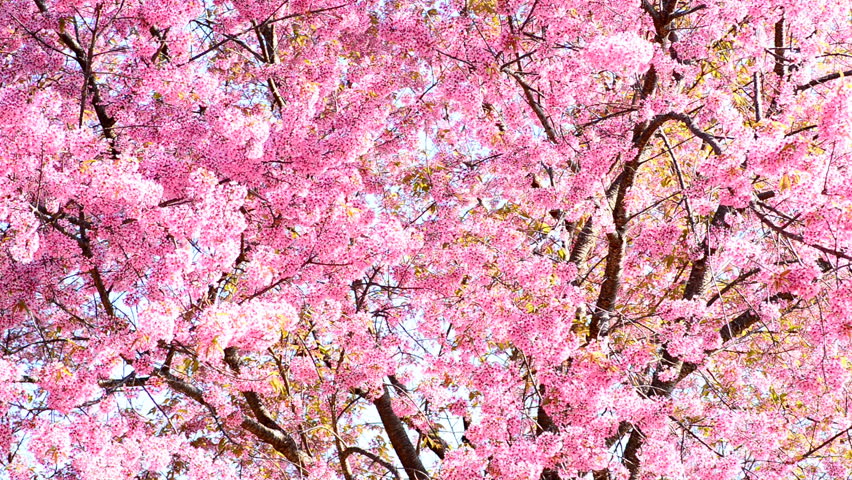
823	79
280	441
400	442
372	456
539	112
797	237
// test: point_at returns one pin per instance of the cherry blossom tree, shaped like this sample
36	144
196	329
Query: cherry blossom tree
461	239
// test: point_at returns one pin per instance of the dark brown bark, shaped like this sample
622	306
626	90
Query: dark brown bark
398	437
280	441
84	61
823	79
372	456
780	62
263	425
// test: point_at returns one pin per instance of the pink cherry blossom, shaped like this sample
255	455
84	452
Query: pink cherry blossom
520	239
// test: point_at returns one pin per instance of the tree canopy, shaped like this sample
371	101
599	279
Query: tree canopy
450	239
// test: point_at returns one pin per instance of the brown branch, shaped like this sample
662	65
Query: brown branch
435	443
103	292
263	416
758	94
280	441
372	456
700	275
584	243
175	384
684	13
615	254
821	445
544	423
274	437
780	67
630	457
269	43
687	121
793	236
586	238
731	285
823	79
606	117
579	253
617	239
129	381
680	181
400	442
84	244
163	50
693	435
800	130
539	112
84	60
269	21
